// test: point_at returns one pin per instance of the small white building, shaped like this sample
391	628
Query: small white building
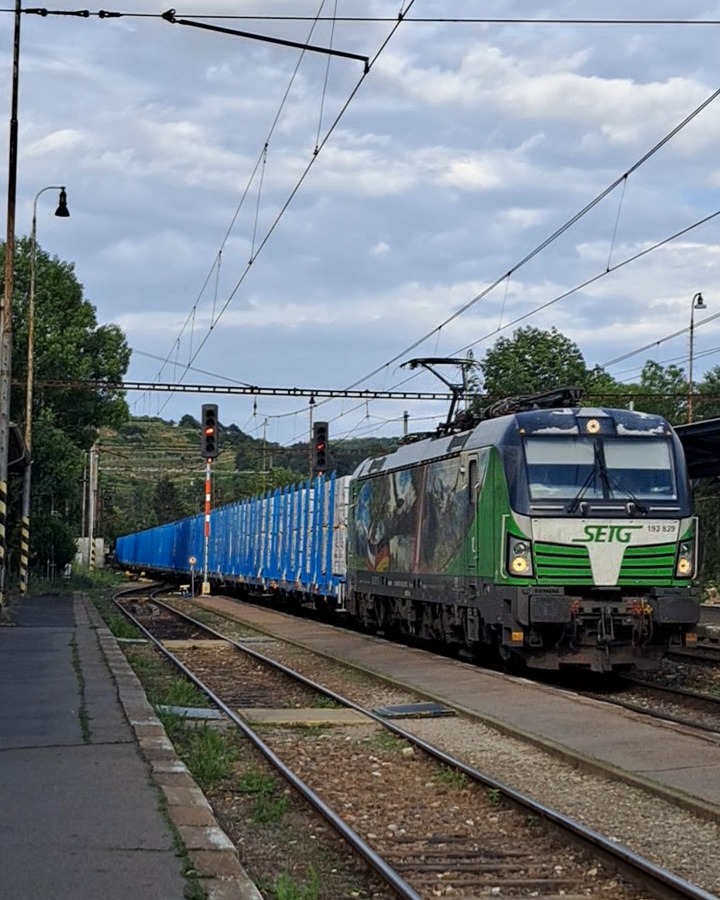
82	554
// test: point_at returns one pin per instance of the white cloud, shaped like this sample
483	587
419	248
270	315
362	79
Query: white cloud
465	147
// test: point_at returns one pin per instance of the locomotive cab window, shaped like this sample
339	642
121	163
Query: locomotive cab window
607	468
640	467
556	467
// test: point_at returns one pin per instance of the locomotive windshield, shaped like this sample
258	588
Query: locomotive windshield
607	468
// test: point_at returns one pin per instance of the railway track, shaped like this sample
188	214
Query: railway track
692	709
709	614
420	831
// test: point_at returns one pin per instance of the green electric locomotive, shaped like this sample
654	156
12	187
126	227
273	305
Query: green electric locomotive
554	537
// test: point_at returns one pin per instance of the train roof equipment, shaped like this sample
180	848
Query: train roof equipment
464	420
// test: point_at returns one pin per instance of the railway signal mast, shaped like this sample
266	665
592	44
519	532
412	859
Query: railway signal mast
210	450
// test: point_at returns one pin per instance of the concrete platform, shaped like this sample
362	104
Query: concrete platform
685	766
94	801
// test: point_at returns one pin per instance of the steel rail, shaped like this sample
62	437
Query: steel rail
664	884
386	872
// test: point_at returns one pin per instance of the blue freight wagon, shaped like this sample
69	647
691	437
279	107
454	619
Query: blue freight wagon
291	540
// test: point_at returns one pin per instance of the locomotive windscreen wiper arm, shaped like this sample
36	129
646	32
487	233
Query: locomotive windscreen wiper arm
596	469
614	482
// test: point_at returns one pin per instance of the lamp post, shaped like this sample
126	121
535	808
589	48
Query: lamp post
63	212
697	303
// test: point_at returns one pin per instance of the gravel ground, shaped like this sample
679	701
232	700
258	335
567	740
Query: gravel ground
664	833
691	676
653	827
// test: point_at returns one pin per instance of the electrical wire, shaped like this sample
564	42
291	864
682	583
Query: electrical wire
543	245
296	187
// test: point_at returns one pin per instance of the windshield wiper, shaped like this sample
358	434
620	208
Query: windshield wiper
614	481
585	485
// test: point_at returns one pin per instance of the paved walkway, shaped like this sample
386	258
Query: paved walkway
93	801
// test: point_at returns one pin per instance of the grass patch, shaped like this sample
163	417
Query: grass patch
208	754
286	888
494	795
184	693
451	777
270	805
254	782
148	665
386	740
114	619
86	579
323	702
163	685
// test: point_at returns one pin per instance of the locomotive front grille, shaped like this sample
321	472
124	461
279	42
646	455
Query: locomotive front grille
566	564
651	564
560	563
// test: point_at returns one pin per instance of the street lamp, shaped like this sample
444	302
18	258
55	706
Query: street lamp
697	303
63	212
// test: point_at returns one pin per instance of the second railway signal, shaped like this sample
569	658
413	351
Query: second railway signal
320	448
209	425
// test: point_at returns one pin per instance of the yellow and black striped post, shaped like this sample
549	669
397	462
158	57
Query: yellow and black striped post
24	553
3	544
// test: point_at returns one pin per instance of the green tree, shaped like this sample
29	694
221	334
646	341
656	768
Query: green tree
706	494
663	391
166	503
69	347
531	361
707	405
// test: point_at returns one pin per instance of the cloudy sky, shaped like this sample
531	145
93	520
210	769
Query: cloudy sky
247	213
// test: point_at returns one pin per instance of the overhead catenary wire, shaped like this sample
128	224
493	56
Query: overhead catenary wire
294	191
275	222
418	20
259	162
547	241
562	296
622	179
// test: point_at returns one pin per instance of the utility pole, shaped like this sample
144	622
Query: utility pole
62	212
92	504
6	312
264	451
697	303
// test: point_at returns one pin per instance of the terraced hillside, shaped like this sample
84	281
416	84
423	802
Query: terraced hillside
151	470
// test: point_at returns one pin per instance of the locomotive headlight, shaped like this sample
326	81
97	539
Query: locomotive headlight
519	561
684	566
